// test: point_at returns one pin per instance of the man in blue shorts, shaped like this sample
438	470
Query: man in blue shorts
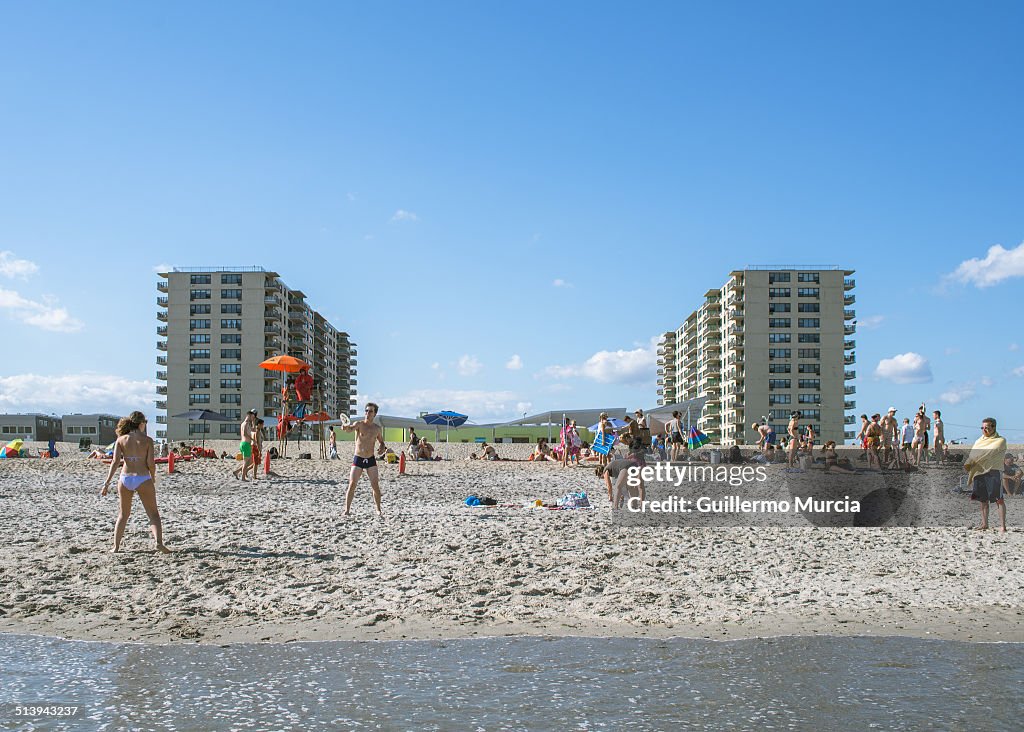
367	433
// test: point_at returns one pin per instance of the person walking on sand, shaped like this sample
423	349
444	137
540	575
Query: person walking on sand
922	426
890	434
984	471
793	430
862	436
134	450
939	435
367	433
566	443
872	439
334	445
247	432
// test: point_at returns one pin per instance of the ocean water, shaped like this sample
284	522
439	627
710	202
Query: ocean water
517	684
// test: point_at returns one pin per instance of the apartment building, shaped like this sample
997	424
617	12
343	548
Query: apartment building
769	341
101	429
216	325
30	427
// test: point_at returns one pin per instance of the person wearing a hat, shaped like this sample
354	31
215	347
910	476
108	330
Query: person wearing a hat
248	434
604	431
890	435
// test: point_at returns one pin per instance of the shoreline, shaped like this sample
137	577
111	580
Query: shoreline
992	624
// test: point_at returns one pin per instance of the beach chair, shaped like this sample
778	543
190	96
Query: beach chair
85	444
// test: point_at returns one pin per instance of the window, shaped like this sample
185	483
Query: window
774	353
779	384
199	429
778	368
194	353
198	383
230	383
809	338
235	353
199	368
200	279
230	398
810	383
810	399
230	324
780	337
809	322
809	353
199	338
198	398
231	309
774	277
807	277
236	279
779	292
779	307
812	414
810	368
231	413
231	338
231	368
809	307
231	294
778	414
807	292
780	399
229	429
198	324
779	322
198	309
199	295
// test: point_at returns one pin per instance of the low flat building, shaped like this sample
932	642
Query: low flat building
100	428
34	427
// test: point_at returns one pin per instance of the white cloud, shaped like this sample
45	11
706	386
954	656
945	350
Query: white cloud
20	268
403	215
905	368
158	268
523	407
561	283
871	322
611	367
1019	371
45	315
86	393
481	406
999	264
515	363
957	394
468	365
986	381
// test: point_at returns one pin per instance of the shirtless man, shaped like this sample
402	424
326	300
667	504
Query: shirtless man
793	430
367	433
939	436
247	431
921	427
766	438
890	434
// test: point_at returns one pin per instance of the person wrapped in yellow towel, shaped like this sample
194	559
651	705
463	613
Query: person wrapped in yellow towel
984	466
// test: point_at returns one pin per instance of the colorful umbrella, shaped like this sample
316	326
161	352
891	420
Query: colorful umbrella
696	439
448	419
201	415
289	364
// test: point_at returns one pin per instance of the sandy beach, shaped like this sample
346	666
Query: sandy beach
276	562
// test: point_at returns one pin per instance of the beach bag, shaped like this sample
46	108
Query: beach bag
574	439
574	500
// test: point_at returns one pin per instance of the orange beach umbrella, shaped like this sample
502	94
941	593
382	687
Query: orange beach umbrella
289	364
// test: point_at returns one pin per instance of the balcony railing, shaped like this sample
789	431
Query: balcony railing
161	301
848	345
161	419
849	329
849	419
848	390
161	375
161	390
161	405
849	375
161	361
849	404
849	299
849	314
849	283
162	285
161	315
161	330
850	359
161	345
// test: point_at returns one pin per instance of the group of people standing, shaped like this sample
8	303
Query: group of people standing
887	443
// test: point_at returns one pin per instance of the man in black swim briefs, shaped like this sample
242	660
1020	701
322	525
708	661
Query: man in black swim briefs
367	433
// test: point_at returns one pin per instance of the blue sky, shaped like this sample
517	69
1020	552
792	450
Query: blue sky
457	184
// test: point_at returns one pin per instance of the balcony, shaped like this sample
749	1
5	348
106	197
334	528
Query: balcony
849	283
271	343
353	382
848	390
162	285
162	390
161	330
271	314
161	375
849	329
849	314
161	301
161	419
849	345
737	314
161	345
272	329
849	419
849	375
161	434
849	404
849	299
161	315
161	361
849	360
849	434
271	300
161	405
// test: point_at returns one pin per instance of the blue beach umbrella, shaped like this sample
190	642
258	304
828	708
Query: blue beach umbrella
616	424
448	419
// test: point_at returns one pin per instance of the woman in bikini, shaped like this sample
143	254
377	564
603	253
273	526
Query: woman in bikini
134	450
